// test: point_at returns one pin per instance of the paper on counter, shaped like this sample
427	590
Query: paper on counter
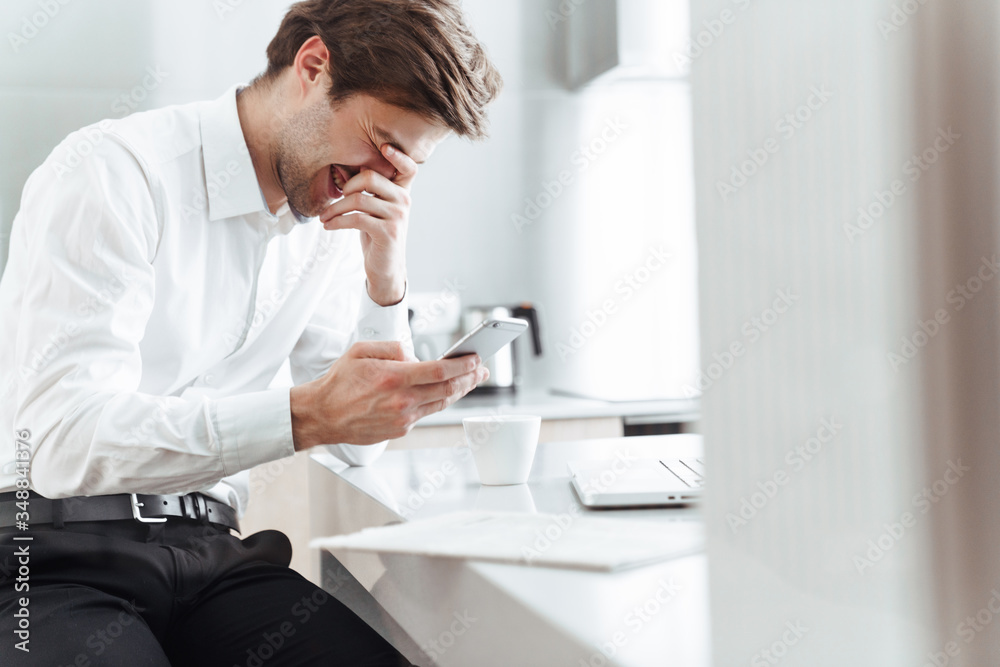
549	540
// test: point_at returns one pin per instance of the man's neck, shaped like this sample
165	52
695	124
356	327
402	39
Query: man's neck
255	106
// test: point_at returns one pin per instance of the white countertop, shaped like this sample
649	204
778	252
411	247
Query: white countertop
525	615
553	406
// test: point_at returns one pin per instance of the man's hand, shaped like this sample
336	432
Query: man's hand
382	217
373	393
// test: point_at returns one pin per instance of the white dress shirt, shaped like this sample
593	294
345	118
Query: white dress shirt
149	299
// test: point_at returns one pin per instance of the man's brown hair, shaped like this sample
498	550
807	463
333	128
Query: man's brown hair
415	54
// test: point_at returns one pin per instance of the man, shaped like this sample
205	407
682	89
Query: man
154	288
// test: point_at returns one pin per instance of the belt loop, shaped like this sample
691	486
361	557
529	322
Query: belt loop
57	513
202	505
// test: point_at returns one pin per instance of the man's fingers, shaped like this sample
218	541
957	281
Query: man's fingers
453	389
361	203
360	221
434	372
374	183
451	395
406	168
431	408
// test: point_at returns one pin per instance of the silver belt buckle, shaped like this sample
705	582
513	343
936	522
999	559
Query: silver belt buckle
137	515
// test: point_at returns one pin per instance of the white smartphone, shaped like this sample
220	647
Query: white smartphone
487	338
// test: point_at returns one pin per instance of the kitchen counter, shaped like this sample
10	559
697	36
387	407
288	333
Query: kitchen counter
655	615
556	406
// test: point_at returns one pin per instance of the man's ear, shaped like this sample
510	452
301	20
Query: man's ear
311	63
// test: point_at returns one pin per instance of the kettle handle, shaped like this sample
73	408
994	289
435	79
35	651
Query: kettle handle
528	312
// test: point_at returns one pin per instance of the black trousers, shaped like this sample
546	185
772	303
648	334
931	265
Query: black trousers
179	593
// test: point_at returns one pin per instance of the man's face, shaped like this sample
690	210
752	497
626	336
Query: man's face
321	147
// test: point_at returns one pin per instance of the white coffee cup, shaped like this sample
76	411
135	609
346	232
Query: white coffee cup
503	446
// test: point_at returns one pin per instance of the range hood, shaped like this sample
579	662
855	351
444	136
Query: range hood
614	40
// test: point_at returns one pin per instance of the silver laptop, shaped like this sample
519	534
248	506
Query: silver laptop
642	483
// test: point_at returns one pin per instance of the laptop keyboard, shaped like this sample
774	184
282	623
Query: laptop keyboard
689	471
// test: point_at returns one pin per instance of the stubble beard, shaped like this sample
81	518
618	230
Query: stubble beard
297	141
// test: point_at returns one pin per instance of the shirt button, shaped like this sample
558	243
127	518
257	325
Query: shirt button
369	332
209	379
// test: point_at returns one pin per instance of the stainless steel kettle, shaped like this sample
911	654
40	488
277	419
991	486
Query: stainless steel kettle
505	375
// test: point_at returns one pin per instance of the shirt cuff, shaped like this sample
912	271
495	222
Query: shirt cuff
383	323
254	428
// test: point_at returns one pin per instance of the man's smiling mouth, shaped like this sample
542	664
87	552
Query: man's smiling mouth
340	176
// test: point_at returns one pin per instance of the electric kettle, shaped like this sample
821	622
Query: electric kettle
504	370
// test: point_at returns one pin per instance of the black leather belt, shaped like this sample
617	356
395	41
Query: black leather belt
144	508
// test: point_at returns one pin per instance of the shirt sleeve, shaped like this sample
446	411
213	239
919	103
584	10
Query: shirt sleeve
323	342
346	315
92	235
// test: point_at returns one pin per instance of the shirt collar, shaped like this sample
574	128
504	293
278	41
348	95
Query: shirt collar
231	182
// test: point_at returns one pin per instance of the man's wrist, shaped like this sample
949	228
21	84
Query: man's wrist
304	427
386	293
